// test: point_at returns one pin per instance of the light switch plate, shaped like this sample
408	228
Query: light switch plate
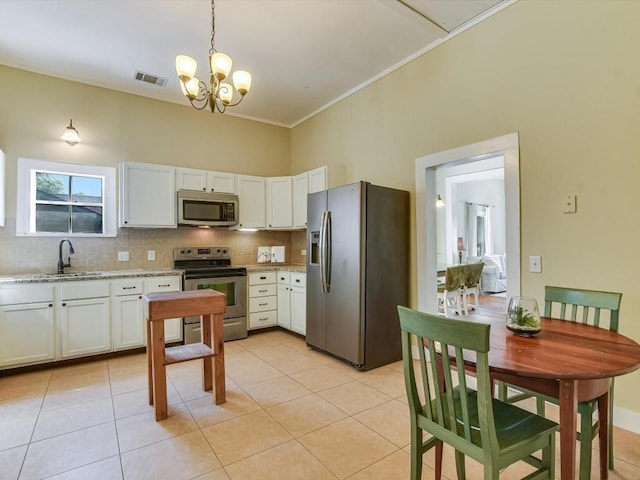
151	254
123	256
569	203
535	264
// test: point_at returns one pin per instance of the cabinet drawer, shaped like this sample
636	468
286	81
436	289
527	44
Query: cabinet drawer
88	289
128	287
284	277
163	284
263	319
261	304
16	294
262	290
260	278
298	279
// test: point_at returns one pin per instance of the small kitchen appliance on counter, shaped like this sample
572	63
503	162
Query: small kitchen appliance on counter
210	268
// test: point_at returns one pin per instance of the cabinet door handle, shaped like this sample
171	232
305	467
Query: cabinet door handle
263	304
263	319
140	297
164	285
263	278
64	304
51	304
263	291
128	288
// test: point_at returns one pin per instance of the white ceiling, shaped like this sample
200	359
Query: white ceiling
302	54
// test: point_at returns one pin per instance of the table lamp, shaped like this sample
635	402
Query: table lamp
460	249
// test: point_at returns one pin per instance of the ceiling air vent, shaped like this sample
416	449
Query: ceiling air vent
152	79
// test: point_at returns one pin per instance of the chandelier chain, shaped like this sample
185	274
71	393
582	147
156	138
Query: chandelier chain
212	50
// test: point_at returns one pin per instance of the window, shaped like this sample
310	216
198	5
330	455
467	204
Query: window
65	199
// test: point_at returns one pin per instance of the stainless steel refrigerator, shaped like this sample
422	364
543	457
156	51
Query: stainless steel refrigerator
357	272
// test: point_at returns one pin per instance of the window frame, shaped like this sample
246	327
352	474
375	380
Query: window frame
26	199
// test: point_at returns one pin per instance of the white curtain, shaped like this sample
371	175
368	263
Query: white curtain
488	230
478	213
471	238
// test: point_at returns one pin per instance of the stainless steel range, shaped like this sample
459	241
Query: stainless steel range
210	267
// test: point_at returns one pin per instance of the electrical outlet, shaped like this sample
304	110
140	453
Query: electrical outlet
303	253
123	256
151	254
535	264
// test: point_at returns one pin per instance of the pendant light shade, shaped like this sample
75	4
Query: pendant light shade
70	135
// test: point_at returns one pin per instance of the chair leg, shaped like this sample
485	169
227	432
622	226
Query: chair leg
548	456
502	391
586	436
460	467
540	406
439	448
416	451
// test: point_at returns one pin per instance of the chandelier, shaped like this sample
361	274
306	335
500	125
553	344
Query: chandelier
218	94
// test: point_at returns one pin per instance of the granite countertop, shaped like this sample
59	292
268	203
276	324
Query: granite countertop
97	275
289	267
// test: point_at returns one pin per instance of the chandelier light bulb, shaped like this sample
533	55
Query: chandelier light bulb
186	66
225	93
242	81
220	65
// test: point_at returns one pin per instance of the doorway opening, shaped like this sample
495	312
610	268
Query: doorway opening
505	149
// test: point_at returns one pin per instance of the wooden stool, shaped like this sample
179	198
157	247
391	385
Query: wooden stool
160	306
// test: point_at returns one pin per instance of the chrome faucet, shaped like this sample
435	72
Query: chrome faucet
61	264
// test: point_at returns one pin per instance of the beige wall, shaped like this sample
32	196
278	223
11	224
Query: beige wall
116	127
565	75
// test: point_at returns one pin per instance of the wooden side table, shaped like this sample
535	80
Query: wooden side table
210	305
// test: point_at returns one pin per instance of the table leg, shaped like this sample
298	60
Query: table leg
218	359
568	424
603	426
159	370
207	362
149	361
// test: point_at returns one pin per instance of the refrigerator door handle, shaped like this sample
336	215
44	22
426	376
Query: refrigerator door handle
327	265
325	251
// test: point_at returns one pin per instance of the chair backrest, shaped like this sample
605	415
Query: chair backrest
455	277
473	273
590	302
454	415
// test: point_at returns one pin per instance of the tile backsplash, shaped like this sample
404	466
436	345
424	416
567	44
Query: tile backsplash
20	255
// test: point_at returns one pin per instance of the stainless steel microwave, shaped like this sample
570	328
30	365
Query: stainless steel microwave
207	209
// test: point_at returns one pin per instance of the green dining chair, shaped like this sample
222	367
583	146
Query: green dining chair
492	432
583	306
451	294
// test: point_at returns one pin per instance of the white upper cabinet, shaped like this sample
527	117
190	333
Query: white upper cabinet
279	206
205	181
300	191
323	178
147	195
251	199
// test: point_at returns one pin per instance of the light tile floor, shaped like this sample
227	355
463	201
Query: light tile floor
291	414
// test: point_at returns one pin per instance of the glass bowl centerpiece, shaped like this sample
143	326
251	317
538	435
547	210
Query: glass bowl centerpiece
523	317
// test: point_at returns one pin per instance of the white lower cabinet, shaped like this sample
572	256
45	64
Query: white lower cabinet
27	329
42	322
172	326
284	299
263	300
85	318
127	317
299	303
292	301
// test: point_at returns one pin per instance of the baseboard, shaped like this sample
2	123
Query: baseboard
622	418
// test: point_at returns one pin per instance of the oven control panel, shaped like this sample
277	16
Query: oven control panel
201	253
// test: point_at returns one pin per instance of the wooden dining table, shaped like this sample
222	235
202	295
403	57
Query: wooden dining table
569	361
